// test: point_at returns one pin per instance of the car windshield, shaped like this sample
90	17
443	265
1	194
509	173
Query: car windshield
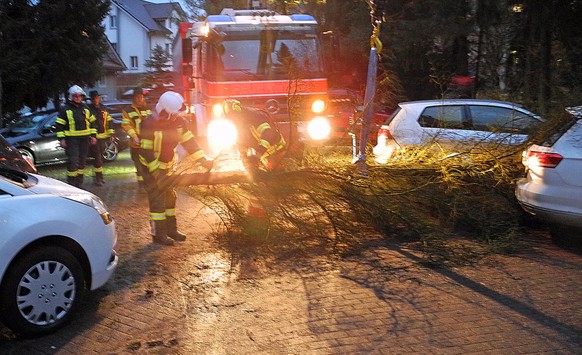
10	158
25	125
266	53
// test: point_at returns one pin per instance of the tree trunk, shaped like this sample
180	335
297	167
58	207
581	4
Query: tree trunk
1	110
544	84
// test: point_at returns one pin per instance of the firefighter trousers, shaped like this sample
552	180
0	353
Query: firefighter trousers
139	168
97	152
161	196
77	150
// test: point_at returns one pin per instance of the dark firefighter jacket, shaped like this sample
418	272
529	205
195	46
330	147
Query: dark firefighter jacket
75	121
103	121
160	137
132	121
257	131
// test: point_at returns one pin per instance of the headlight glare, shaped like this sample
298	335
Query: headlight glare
318	106
319	128
222	134
217	111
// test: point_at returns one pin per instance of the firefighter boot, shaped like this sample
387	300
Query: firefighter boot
98	179
159	231
173	229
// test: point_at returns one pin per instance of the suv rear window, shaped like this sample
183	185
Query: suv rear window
443	117
500	119
553	138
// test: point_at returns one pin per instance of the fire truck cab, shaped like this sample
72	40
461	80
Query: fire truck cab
263	59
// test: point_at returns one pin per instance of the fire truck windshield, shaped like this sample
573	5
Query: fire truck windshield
266	54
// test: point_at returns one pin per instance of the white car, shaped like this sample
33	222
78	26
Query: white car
458	123
56	242
552	189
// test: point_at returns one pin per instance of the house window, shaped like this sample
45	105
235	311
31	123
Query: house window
134	63
113	21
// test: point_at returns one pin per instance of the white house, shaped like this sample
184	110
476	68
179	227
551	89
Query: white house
134	28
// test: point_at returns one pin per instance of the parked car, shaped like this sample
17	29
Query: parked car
13	157
56	242
458	124
34	136
116	108
552	188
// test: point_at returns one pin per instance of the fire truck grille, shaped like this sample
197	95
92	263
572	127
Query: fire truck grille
283	108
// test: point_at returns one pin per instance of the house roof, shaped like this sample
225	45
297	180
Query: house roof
146	13
111	60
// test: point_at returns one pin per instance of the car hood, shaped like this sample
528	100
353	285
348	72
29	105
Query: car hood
52	186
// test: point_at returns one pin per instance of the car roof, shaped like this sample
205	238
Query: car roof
484	102
575	111
459	102
116	102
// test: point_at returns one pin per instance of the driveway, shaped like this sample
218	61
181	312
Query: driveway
206	296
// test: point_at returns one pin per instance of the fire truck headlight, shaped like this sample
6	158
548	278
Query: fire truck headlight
217	111
221	134
319	128
318	106
205	30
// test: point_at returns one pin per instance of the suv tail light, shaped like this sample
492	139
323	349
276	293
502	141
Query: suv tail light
384	133
543	160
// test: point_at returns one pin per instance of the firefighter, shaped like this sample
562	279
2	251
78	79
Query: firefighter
131	123
75	127
262	145
160	134
104	134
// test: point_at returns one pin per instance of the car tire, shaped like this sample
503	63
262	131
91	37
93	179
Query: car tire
111	151
27	154
41	291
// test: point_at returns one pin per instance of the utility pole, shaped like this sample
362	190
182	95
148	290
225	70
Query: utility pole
377	15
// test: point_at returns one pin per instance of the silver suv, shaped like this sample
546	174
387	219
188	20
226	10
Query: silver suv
552	188
457	123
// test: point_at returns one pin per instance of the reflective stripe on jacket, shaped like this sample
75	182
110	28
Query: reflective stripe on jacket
132	120
75	121
159	138
103	121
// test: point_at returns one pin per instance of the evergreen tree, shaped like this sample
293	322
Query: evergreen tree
48	46
72	43
17	69
159	71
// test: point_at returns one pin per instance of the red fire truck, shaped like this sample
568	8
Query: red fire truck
261	58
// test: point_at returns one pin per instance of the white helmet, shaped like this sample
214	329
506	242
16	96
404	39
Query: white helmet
75	89
171	102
